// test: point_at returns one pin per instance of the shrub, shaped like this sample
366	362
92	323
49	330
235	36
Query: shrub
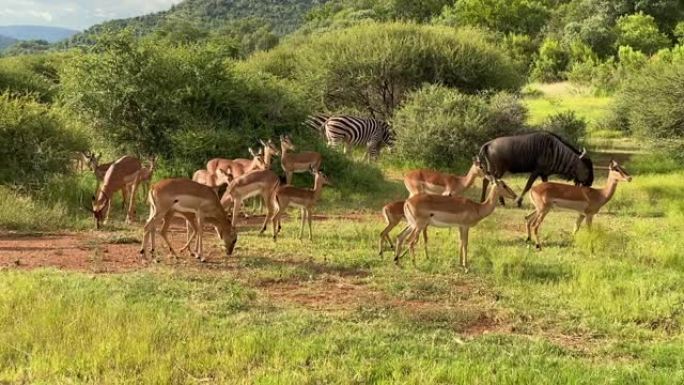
370	67
508	16
442	127
33	141
552	61
595	31
28	75
679	32
649	103
567	125
640	32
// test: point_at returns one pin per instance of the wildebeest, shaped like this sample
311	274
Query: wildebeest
541	154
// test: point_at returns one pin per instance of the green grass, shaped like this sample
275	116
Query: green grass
544	100
605	307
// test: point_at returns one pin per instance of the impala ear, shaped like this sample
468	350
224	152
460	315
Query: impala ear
262	142
251	152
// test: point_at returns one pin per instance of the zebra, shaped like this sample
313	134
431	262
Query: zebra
351	131
317	122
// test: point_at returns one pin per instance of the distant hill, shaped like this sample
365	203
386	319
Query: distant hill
6	41
36	32
284	15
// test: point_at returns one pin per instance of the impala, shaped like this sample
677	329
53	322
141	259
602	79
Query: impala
437	183
423	210
146	174
300	162
123	174
393	213
100	170
240	166
197	203
270	150
587	201
299	197
262	183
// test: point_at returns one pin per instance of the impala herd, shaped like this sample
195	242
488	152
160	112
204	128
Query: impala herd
434	198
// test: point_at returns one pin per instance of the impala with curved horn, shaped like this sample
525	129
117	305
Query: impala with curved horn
586	201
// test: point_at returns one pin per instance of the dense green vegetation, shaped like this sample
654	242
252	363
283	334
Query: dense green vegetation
211	78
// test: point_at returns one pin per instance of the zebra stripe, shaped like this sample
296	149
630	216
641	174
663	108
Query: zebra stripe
349	130
317	122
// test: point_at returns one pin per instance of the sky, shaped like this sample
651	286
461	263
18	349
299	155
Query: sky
75	14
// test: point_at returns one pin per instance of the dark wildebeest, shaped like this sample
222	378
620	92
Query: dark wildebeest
540	153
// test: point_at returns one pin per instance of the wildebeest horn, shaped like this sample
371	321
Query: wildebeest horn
584	152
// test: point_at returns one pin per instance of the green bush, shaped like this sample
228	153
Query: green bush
552	61
29	75
370	67
508	16
442	127
640	32
566	124
649	103
33	141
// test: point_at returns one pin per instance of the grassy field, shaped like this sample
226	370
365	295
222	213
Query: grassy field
605	307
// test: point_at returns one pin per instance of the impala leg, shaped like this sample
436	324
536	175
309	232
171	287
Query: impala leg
237	202
288	177
309	218
131	206
301	228
190	235
149	231
165	227
425	241
200	227
578	223
124	198
529	219
275	221
271	207
413	239
590	219
535	227
463	232
400	242
384	237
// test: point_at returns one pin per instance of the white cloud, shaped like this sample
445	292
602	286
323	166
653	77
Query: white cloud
77	14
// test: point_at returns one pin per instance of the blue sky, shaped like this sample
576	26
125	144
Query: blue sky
75	14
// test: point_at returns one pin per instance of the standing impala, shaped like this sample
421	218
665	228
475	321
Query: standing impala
124	174
587	201
299	197
393	213
242	166
300	162
262	183
437	183
270	150
195	202
423	210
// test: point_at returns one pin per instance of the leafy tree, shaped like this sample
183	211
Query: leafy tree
508	16
369	68
34	142
650	104
552	61
27	47
679	32
640	32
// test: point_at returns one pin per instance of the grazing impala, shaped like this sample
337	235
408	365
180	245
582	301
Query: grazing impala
423	210
124	174
196	202
393	213
262	183
437	183
300	162
100	170
586	201
299	197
